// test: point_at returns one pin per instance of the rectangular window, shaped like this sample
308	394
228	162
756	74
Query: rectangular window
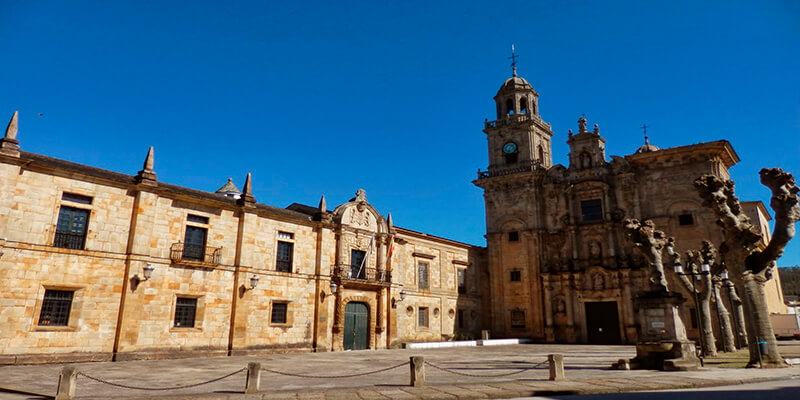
461	276
285	255
423	317
185	311
279	312
358	266
513	236
515	276
71	228
518	319
197	219
76	198
56	307
194	243
685	219
285	235
422	275
591	210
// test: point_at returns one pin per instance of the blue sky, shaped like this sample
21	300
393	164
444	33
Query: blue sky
327	97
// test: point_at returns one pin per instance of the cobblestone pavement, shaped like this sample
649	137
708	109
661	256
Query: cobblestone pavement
467	373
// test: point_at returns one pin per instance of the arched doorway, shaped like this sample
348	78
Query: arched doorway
356	323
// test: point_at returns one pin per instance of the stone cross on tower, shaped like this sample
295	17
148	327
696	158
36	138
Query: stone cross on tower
513	59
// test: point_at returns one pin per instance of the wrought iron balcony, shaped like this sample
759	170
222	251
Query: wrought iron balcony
195	253
70	240
509	169
348	272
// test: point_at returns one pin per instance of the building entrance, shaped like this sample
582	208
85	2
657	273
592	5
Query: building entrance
602	322
356	321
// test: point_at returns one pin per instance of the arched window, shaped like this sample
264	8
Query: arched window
586	160
510	106
541	154
523	105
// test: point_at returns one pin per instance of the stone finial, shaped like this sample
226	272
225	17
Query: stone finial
247	198
361	195
389	220
147	174
596	130
582	124
569	132
323	207
9	145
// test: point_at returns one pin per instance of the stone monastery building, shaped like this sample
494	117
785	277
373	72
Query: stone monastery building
99	265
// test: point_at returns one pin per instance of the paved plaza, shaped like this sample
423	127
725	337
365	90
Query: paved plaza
451	373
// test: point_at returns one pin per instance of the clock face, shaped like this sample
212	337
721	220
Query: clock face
509	147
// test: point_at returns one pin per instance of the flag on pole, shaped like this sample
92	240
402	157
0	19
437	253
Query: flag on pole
366	256
391	252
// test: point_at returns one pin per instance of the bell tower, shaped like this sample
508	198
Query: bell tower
519	144
518	138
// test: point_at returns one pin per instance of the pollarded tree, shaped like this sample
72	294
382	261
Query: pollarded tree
748	261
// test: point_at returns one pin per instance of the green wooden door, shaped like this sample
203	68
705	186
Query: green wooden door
356	320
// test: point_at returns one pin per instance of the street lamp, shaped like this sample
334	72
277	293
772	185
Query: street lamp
705	269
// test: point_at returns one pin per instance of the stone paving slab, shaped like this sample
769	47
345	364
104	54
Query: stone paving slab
586	370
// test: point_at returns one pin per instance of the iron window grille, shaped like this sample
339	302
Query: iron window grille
422	268
423	317
513	236
517	319
279	313
283	262
71	228
185	312
515	276
56	307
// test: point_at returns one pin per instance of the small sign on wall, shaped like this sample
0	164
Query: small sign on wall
656	324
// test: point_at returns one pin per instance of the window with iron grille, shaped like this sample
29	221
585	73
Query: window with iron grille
185	312
517	318
515	276
461	276
71	228
56	307
513	236
591	210
422	275
357	264
279	313
423	317
283	262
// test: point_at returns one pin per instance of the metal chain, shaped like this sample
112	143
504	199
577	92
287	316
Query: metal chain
165	388
450	370
334	376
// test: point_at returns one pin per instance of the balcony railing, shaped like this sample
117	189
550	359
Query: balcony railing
514	118
345	271
188	252
70	240
508	170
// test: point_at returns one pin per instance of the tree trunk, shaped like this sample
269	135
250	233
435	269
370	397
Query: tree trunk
738	316
723	316
701	300
759	327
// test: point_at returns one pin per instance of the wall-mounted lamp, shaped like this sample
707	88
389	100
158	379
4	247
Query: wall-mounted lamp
334	287
147	272
724	275
395	302
253	283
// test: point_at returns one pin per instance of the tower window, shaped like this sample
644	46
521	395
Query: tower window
591	210
541	153
510	106
685	219
511	158
513	236
515	276
523	105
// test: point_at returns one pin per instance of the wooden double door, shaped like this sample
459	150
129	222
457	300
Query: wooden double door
356	326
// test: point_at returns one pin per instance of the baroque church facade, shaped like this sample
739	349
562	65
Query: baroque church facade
99	265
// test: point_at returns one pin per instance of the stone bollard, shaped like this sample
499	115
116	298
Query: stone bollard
66	383
253	383
484	334
556	362
417	371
